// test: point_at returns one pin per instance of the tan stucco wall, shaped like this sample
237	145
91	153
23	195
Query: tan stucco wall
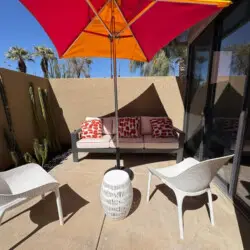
137	96
16	86
74	99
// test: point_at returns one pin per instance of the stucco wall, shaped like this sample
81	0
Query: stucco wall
137	96
74	99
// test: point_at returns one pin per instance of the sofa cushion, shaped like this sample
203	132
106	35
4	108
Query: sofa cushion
102	142
107	123
91	129
129	127
162	128
151	142
146	128
128	142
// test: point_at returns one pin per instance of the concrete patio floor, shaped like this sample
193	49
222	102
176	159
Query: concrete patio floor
152	225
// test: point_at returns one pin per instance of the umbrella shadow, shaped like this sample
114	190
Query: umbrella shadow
45	211
189	203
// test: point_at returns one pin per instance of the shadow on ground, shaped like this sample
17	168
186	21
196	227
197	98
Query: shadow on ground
136	201
190	203
45	211
131	160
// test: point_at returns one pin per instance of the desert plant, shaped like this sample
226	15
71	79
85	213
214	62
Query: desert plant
9	134
29	158
11	146
21	55
47	115
40	152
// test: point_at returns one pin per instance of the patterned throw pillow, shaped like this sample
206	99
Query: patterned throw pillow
129	127
91	129
162	128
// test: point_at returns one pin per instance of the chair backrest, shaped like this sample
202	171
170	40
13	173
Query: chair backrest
4	187
199	176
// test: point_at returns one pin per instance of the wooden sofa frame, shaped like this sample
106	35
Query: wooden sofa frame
76	150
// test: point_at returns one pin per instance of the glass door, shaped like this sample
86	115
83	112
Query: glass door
198	86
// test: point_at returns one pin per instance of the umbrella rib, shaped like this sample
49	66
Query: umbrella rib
95	12
137	16
84	31
95	33
117	36
219	3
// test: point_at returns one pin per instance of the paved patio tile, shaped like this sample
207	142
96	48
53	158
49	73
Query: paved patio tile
152	225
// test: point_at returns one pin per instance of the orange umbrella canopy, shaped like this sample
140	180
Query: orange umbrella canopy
139	28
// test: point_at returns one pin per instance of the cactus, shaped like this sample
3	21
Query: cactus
9	134
40	151
36	151
29	158
52	125
46	125
39	126
43	151
14	158
11	144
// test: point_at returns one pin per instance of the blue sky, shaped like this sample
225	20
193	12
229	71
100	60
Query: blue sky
19	27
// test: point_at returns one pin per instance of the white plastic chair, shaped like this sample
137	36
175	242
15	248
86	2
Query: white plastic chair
21	184
189	178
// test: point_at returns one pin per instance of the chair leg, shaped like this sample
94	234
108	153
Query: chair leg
59	206
179	198
210	204
1	216
149	183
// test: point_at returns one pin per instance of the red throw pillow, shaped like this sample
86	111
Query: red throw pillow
91	129
129	127
162	128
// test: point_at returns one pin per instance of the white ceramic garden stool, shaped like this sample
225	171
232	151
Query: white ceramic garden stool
116	194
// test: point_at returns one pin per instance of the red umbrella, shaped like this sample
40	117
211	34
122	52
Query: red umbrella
131	29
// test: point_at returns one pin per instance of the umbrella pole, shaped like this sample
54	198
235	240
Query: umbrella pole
113	46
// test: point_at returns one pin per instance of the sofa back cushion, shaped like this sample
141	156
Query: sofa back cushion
91	129
107	123
129	127
146	128
162	128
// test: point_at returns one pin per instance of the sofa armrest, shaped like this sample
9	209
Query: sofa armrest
182	136
179	131
75	136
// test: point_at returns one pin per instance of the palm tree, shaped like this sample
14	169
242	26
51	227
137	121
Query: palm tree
21	55
163	62
240	52
47	54
80	66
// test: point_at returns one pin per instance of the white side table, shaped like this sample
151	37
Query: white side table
116	194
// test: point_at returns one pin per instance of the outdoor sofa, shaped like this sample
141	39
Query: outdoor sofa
146	143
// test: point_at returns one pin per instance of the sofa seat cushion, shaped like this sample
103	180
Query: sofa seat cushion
160	143
102	142
128	142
